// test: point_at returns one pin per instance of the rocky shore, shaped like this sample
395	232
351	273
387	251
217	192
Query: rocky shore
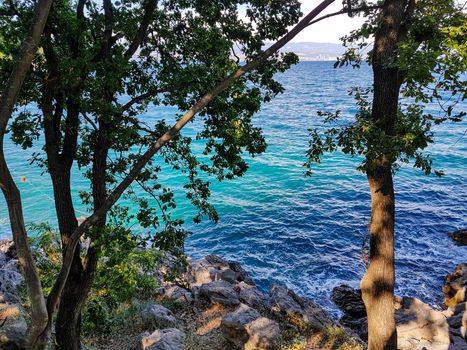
214	304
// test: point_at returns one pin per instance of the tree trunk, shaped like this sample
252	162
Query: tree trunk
35	339
378	283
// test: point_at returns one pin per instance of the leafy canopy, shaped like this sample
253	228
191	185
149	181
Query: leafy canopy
102	65
431	61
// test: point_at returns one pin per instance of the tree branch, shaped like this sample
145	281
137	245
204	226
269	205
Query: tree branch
164	139
149	94
12	195
149	8
341	12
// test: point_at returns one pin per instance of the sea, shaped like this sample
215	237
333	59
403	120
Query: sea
304	232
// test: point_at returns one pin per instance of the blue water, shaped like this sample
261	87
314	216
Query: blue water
307	232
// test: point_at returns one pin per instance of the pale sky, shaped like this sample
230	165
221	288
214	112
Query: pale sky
330	29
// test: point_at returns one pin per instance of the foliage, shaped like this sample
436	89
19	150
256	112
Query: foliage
123	272
431	61
87	62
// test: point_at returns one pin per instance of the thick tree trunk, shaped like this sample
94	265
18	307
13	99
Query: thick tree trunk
378	283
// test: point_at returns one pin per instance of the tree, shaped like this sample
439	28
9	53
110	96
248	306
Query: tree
97	70
420	49
8	100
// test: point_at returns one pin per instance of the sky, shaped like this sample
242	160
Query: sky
330	29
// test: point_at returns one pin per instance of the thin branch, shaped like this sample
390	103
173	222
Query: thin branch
149	94
90	121
164	139
341	12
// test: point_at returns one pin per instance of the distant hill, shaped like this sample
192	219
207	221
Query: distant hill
308	51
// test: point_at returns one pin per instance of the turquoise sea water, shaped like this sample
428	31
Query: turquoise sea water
307	232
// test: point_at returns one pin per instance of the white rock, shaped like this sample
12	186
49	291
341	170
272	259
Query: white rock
418	326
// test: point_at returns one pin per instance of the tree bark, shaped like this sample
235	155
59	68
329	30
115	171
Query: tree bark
378	282
36	339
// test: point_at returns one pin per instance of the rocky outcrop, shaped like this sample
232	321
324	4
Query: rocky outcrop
13	324
455	286
457	320
213	268
459	237
349	300
165	339
234	324
219	292
251	296
298	310
246	329
177	293
264	333
157	316
419	326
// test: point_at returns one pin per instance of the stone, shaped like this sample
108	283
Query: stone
13	325
7	246
457	320
3	259
213	268
12	265
349	300
459	237
158	316
418	326
234	324
455	286
165	339
298	310
219	292
357	325
9	281
263	333
177	294
251	296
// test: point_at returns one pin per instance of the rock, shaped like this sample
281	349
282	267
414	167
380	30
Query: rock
157	316
13	325
219	292
177	294
460	237
349	300
233	325
12	265
213	268
300	311
3	259
251	296
419	326
9	281
457	320
165	339
263	334
7	246
358	325
455	286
